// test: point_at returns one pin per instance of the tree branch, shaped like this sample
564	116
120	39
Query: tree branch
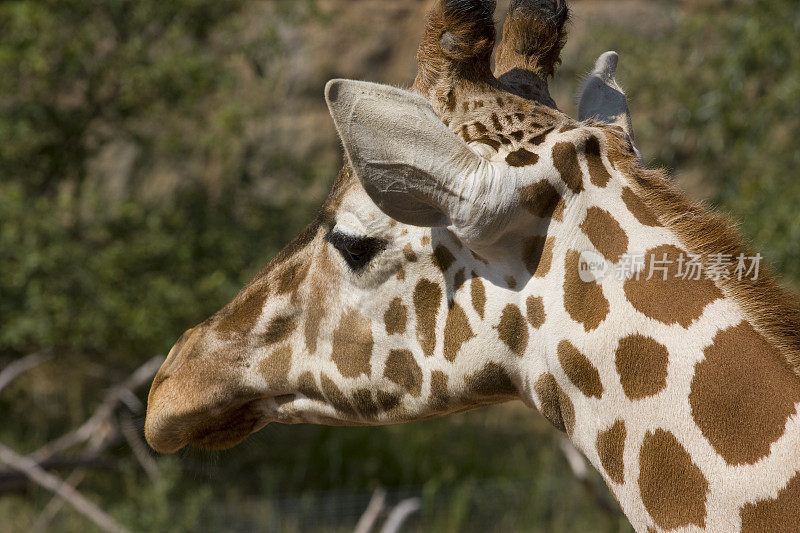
139	449
400	513
20	366
578	466
375	507
57	486
89	431
102	414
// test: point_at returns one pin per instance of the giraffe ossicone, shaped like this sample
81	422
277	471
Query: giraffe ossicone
447	270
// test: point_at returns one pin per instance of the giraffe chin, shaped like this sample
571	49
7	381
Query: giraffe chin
208	432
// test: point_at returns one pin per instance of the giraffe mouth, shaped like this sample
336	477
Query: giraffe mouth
235	426
218	428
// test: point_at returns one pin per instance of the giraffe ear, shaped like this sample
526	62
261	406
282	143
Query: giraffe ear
601	97
413	167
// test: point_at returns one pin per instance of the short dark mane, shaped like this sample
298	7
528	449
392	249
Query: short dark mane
774	311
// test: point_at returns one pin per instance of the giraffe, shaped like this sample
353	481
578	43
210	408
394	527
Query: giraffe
447	270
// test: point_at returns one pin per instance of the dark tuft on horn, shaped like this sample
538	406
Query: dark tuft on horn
457	46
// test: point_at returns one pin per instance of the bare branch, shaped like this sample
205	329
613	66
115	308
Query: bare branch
139	449
55	504
579	467
373	510
103	413
57	486
400	513
91	431
96	444
20	366
574	458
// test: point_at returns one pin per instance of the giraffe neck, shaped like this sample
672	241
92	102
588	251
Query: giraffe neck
662	378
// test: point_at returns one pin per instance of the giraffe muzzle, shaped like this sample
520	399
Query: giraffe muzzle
215	429
197	399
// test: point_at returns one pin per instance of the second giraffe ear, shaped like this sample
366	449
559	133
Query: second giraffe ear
413	167
601	98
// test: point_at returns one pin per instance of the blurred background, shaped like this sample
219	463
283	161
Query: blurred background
154	155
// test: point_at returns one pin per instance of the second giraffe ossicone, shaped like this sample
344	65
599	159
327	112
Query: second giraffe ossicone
480	246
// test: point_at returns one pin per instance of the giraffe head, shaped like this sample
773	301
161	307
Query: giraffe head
401	301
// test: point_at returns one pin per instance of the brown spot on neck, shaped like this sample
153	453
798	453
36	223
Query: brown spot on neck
673	489
642	366
742	394
540	138
427	302
290	277
457	331
779	514
537	253
565	159
365	403
535	311
671	300
388	401
443	257
638	209
522	158
542	200
478	293
480	129
513	330
611	448
352	345
584	301
489	142
492	381
605	233
580	371
496	124
554	405
459	279
598	173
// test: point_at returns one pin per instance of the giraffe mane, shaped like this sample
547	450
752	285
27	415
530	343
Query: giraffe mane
773	310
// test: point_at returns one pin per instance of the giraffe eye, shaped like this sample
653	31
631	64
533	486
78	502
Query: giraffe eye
356	251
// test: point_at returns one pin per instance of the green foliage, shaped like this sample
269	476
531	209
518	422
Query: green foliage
125	287
73	68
